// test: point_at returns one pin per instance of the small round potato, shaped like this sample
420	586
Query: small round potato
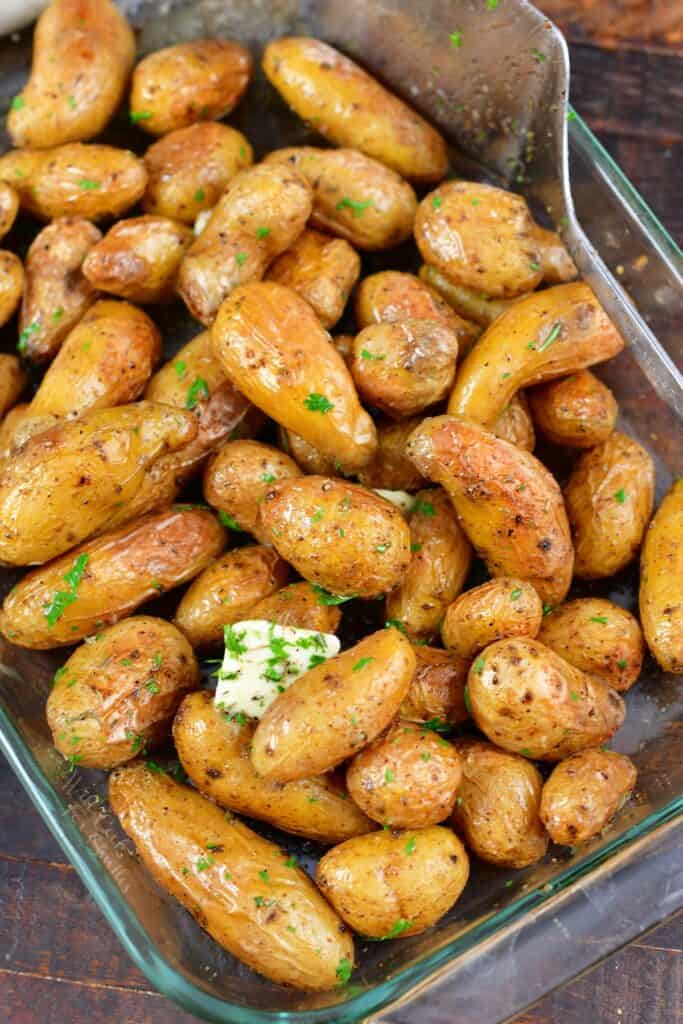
322	270
391	884
115	697
391	469
308	459
11	285
661	582
578	411
139	258
501	608
298	605
437	690
468	303
9	207
13	380
515	424
584	793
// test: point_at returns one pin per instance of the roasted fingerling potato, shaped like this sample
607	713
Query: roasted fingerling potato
9	427
9	207
661	582
298	605
436	696
139	258
583	794
322	270
503	607
578	411
390	469
13	380
469	303
515	423
306	456
11	284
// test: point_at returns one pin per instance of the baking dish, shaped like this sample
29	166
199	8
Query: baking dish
472	962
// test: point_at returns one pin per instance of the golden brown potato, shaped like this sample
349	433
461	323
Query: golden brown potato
11	284
468	303
497	810
661	582
598	637
437	690
83	53
9	207
245	892
578	411
557	265
322	270
56	294
189	169
545	335
259	215
501	608
515	424
107	578
214	751
75	180
392	884
9	427
334	709
506	501
199	80
306	456
350	108
353	196
440	561
226	592
337	535
344	346
13	380
584	793
298	605
609	500
272	347
139	258
529	700
391	469
115	697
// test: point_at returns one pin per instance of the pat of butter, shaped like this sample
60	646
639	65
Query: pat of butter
401	499
262	659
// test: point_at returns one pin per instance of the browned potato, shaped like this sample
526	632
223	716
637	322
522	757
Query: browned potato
353	196
76	180
190	169
9	427
578	411
260	214
506	501
661	582
468	303
244	891
440	561
139	258
107	578
437	690
497	809
272	347
83	53
298	605
340	536
226	592
307	458
322	270
391	469
115	697
500	608
344	346
515	424
557	265
199	80
238	477
214	751
9	207
350	108
609	500
529	700
11	284
332	710
56	294
584	793
13	380
389	884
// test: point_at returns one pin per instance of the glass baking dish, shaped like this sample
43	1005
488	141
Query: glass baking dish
514	934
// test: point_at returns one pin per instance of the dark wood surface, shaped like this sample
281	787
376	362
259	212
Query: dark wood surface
60	962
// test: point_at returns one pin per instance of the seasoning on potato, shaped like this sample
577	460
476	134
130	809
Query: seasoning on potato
661	582
390	469
578	411
583	794
9	207
13	380
298	605
11	284
436	696
322	270
515	424
139	258
503	607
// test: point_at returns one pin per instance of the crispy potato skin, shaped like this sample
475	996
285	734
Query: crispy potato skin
661	582
609	498
557	265
391	469
515	424
125	568
506	501
119	694
214	752
171	825
9	207
497	811
335	708
373	885
341	536
578	411
322	270
542	336
437	689
227	590
350	108
503	607
468	303
83	53
529	700
13	380
11	284
138	258
298	605
272	347
584	792
440	560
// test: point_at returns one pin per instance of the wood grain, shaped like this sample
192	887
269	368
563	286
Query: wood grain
612	23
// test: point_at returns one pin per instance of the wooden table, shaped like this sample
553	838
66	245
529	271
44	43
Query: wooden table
59	962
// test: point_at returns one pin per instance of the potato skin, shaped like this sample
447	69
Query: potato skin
322	270
529	700
375	886
584	792
297	605
272	347
503	607
9	207
557	265
226	591
333	709
118	695
393	295
305	455
125	568
497	810
11	284
173	827
506	501
468	303
515	424
139	258
391	469
350	108
578	411
9	427
13	380
83	53
609	498
661	582
437	689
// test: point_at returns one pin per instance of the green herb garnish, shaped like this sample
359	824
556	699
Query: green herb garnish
315	402
198	390
351	204
361	664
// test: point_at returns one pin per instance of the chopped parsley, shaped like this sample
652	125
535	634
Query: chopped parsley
153	686
415	547
361	664
395	624
399	928
351	204
18	103
228	521
574	696
620	495
466	698
32	328
264	876
547	609
381	548
601	619
535	266
478	666
204	862
343	971
61	599
58	314
571	115
268	478
539	57
292	862
492	4
388	775
136	741
199	195
547	342
180	367
456	39
158	659
89	184
58	674
516	593
622	663
262	232
318	515
198	390
436	725
365	354
423	508
240	258
139	115
327	599
410	846
315	402
426	756
233	641
437	201
525	752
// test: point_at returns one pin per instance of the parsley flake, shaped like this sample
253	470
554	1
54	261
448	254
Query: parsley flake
401	926
198	390
410	846
516	593
351	204
437	202
601	619
620	495
622	663
466	699
58	314
315	402
478	666
343	971
456	39
423	508
240	258
361	664
18	103
89	184
327	599
139	115
262	232
199	195
365	354
226	520
204	862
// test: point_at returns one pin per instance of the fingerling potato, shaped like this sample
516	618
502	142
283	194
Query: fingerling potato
578	411
9	207
139	258
661	582
306	456
503	607
11	284
297	605
322	270
9	427
583	794
469	303
391	469
437	689
13	380
557	266
515	424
